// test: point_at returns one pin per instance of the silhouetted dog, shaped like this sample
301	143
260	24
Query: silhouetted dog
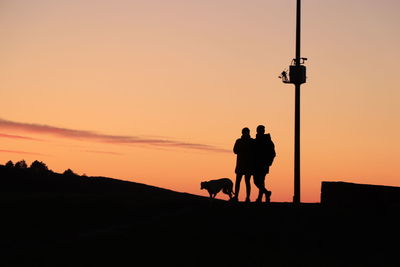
214	186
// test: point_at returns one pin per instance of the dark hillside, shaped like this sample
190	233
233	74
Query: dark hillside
87	221
29	180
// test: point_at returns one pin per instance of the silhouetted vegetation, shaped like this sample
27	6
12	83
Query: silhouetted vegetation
69	172
21	165
9	164
39	178
39	166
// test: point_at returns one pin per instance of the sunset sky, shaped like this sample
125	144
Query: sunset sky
157	91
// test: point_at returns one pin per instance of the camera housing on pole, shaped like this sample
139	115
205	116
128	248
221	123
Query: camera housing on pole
297	73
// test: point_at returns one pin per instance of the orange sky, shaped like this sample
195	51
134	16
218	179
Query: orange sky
158	91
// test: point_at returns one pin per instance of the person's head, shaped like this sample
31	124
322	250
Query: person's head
246	131
260	129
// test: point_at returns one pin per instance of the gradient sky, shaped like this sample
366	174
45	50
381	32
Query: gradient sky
158	91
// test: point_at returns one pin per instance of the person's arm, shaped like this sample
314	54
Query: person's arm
236	147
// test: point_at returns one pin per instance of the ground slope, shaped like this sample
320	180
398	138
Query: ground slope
149	226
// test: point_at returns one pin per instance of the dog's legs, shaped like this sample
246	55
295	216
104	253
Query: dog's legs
228	191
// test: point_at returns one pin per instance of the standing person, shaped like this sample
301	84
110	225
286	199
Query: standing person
264	154
243	148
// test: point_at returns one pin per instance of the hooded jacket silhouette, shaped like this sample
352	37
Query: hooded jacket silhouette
244	149
264	153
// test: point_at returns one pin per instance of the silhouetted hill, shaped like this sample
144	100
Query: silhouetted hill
54	220
27	180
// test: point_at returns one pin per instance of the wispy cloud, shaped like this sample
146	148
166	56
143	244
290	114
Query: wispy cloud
104	138
103	152
2	135
21	152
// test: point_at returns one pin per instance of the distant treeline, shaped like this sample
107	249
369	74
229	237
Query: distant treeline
36	166
38	177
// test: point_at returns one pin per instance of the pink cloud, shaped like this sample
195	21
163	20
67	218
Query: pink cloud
104	138
18	137
21	152
103	152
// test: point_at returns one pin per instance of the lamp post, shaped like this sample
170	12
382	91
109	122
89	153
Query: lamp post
297	76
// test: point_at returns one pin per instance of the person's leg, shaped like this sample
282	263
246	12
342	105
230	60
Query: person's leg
268	196
237	185
257	183
262	189
267	192
247	178
260	193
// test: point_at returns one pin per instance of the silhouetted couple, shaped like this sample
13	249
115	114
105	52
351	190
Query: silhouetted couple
254	157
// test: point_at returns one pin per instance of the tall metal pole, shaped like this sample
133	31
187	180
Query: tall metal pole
296	197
